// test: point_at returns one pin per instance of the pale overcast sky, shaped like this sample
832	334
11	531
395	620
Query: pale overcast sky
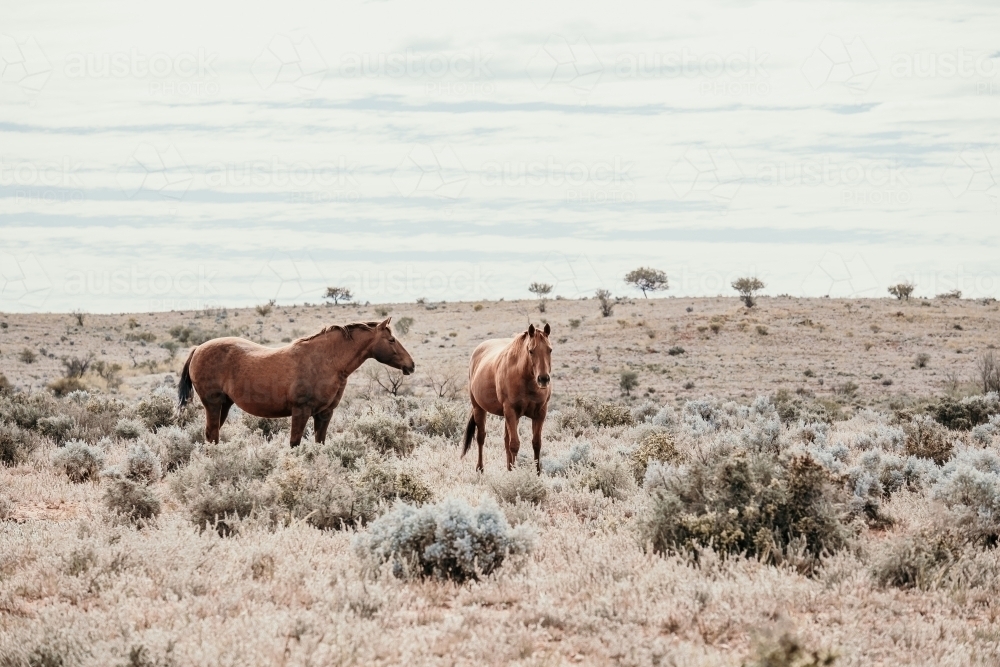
181	154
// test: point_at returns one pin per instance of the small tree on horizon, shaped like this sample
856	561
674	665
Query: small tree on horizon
747	287
607	306
647	279
902	290
540	290
338	294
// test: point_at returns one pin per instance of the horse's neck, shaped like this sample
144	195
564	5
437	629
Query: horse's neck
347	354
518	356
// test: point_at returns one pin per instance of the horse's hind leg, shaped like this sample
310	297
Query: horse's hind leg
224	410
479	415
321	422
213	422
299	419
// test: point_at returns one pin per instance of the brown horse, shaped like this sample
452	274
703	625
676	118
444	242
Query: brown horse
302	380
510	378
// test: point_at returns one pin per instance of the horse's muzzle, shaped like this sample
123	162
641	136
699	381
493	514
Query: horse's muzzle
543	380
407	370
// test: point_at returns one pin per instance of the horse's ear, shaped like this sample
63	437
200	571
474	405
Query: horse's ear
531	330
384	323
547	329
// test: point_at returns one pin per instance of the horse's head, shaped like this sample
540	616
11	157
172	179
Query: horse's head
540	354
389	351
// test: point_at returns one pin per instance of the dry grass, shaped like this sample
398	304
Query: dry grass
93	575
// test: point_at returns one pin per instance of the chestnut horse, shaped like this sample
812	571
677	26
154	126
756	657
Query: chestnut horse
301	380
510	378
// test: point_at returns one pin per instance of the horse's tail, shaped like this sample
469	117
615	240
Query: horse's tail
470	431
184	388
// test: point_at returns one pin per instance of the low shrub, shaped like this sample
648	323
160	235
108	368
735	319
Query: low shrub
912	561
443	419
56	427
383	482
141	465
758	504
520	484
927	439
970	485
611	477
319	492
175	447
968	412
447	540
611	414
787	650
66	385
80	461
16	444
578	455
644	411
129	429
266	427
25	410
387	432
129	498
155	411
348	448
654	445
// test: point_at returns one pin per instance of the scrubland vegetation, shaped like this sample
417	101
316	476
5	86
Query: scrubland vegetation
776	528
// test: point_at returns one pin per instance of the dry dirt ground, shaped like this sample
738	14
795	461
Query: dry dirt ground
79	585
728	350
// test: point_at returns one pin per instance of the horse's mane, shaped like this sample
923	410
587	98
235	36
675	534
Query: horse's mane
346	329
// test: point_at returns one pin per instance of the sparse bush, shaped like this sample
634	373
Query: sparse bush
129	429
607	306
175	447
920	361
27	356
16	444
747	288
654	445
448	540
348	448
611	414
338	294
129	497
989	372
402	325
675	350
26	409
927	439
788	651
540	290
155	411
265	309
66	385
968	412
612	478
385	431
644	411
5	385
443	419
266	427
758	504
320	493
911	561
381	482
56	427
578	455
79	461
521	484
628	381
971	483
142	465
902	290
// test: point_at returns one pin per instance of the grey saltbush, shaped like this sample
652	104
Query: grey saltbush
129	429
447	540
141	465
578	455
80	461
387	432
175	447
56	427
129	498
443	418
16	444
520	484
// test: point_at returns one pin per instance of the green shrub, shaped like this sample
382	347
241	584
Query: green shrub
968	412
132	499
521	484
912	561
66	385
748	503
266	427
611	414
788	651
155	411
449	540
387	432
927	439
129	429
382	482
175	447
26	409
141	465
57	427
320	493
654	445
443	419
16	444
79	461
612	478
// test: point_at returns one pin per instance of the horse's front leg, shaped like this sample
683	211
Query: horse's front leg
536	440
514	441
299	419
321	422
